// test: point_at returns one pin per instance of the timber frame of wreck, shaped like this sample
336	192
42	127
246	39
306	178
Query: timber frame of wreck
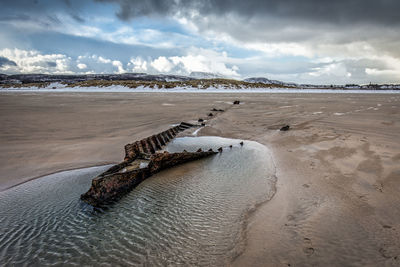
143	159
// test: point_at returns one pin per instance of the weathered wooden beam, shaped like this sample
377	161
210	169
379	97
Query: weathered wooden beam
116	182
124	176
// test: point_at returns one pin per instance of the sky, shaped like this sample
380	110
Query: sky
307	41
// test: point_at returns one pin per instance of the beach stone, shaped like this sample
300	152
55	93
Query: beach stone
285	128
236	102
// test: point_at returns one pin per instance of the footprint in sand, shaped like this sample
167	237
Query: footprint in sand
388	253
291	221
307	247
379	187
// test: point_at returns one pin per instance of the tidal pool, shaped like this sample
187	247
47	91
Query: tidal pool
192	214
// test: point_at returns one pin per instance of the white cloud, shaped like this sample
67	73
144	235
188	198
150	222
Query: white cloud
138	64
81	66
31	61
119	66
196	60
162	64
386	73
99	64
102	59
82	30
335	69
280	49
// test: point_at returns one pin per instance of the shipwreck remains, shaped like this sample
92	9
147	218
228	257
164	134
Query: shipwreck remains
142	159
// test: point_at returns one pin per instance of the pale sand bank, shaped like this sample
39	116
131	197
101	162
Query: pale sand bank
337	200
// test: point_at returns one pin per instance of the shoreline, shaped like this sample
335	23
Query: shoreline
100	164
275	207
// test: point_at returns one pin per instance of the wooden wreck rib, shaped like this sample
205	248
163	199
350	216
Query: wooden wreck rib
141	161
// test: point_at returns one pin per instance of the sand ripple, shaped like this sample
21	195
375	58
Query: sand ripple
191	215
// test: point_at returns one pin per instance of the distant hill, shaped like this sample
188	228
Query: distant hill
36	78
204	75
268	81
195	80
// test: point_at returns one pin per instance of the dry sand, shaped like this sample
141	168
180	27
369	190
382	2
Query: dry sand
43	133
338	168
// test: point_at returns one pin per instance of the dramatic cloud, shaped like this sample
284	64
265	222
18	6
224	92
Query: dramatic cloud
308	41
299	26
336	12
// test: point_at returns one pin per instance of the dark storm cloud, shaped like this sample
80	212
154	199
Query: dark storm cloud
40	10
6	62
338	11
284	38
36	5
308	22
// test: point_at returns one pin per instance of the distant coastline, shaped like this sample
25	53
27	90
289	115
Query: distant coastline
143	81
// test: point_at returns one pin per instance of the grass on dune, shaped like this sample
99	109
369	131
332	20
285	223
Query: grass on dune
200	84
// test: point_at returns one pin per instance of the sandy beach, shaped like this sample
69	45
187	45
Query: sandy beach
337	168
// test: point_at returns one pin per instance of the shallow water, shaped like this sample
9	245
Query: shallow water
193	214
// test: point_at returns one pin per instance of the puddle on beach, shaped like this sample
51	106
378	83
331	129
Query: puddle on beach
192	214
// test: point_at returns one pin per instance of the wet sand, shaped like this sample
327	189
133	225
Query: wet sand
338	168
